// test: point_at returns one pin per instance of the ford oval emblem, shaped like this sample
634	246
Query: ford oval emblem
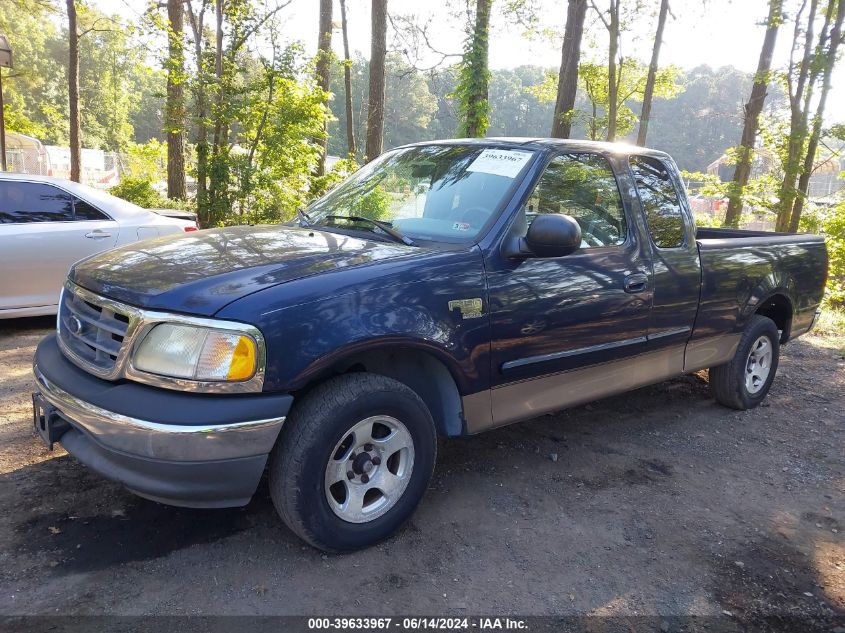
74	324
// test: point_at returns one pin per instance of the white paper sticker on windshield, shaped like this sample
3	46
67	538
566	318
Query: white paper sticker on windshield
500	162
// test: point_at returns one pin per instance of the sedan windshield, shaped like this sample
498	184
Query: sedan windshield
432	192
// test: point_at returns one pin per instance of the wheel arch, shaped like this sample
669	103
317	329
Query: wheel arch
779	308
423	370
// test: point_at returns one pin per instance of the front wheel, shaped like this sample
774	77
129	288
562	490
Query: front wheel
744	382
353	461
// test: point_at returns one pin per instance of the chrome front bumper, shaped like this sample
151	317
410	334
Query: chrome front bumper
183	449
147	438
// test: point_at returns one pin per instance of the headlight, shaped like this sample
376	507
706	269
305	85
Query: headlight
197	353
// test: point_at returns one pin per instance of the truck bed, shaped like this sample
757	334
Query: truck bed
718	238
746	268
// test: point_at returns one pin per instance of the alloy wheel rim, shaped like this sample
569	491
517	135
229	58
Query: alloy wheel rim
369	469
759	364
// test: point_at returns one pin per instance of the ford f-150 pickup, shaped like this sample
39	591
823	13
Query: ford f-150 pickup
444	289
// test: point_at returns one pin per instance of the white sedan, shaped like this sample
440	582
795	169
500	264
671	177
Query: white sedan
47	224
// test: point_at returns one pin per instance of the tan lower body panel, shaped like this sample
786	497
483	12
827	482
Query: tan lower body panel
710	352
529	398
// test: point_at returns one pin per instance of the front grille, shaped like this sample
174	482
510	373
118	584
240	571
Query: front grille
93	330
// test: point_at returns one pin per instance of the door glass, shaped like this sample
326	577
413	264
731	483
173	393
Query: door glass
660	201
584	187
85	211
24	202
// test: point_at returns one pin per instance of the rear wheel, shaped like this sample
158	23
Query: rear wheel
353	461
744	382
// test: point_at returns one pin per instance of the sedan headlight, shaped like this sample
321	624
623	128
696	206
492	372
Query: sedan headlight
197	353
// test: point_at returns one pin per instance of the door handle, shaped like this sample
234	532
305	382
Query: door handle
636	282
97	234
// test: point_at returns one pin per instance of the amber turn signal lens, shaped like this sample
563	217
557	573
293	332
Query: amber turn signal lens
243	363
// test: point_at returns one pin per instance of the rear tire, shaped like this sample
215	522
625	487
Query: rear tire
353	461
744	382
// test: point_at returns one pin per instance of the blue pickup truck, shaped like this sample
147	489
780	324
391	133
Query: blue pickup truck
446	288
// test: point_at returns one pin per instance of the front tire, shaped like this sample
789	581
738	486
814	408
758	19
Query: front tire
353	461
744	382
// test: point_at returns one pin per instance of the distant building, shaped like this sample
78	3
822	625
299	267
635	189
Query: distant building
26	155
99	168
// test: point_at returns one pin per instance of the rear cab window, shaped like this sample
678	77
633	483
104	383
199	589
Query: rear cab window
660	201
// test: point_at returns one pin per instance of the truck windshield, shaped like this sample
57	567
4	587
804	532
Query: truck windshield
432	192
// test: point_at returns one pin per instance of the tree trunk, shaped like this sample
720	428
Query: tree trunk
73	93
648	94
324	52
752	116
612	77
815	135
218	74
217	177
175	106
375	109
567	83
201	96
473	85
347	83
799	93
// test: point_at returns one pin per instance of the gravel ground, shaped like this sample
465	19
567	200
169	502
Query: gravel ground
654	502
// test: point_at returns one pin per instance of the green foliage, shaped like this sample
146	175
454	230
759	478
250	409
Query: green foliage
831	223
112	73
146	161
831	325
837	131
139	191
416	105
372	204
593	79
144	166
33	89
269	115
471	92
265	172
341	170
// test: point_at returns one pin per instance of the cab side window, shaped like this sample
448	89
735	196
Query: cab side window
660	201
26	202
583	186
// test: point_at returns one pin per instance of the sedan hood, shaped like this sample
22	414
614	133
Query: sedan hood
199	273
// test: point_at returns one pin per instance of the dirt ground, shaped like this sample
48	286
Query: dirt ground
654	502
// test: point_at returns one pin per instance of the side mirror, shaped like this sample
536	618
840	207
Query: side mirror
553	235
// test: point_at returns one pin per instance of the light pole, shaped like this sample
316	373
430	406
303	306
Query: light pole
5	62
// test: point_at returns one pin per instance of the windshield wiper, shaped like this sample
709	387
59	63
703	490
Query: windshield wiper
304	218
384	226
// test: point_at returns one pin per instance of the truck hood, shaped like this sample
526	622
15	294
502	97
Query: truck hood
199	273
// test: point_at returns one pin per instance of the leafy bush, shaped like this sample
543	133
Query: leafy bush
146	161
831	223
372	204
320	185
834	229
140	191
271	183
